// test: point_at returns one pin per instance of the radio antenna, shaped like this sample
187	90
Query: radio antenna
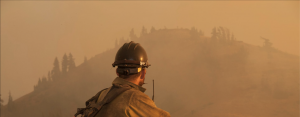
153	91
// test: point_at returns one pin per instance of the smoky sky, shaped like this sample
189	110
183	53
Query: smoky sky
33	33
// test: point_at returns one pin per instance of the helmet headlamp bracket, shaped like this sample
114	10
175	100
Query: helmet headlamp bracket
128	71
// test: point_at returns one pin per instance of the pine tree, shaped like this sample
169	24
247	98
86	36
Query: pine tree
64	65
193	29
10	105
201	33
144	31
219	33
44	83
71	62
267	43
122	40
222	35
55	73
152	29
227	35
44	80
232	37
214	34
39	82
194	33
49	77
132	35
39	85
10	99
1	102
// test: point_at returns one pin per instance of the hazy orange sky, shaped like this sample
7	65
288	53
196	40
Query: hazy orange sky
33	33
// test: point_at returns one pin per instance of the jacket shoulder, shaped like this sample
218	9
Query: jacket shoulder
138	97
140	104
95	97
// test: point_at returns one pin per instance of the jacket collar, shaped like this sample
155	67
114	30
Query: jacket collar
122	81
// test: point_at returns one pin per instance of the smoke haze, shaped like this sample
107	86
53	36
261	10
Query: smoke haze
33	33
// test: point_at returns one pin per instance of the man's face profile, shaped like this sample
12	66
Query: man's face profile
142	78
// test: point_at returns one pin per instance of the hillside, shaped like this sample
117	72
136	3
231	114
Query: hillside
195	76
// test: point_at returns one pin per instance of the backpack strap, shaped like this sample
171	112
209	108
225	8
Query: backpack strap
94	98
114	92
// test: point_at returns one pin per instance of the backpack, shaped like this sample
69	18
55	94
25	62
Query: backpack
92	107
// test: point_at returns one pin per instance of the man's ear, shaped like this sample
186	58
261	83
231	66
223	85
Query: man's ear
143	73
117	72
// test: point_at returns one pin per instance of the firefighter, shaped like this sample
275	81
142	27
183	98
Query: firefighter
126	97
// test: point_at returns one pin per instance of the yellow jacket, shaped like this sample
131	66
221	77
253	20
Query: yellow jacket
131	103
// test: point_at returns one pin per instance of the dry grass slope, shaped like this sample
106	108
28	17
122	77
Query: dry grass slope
195	77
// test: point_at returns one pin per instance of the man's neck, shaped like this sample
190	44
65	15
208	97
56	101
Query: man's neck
136	81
